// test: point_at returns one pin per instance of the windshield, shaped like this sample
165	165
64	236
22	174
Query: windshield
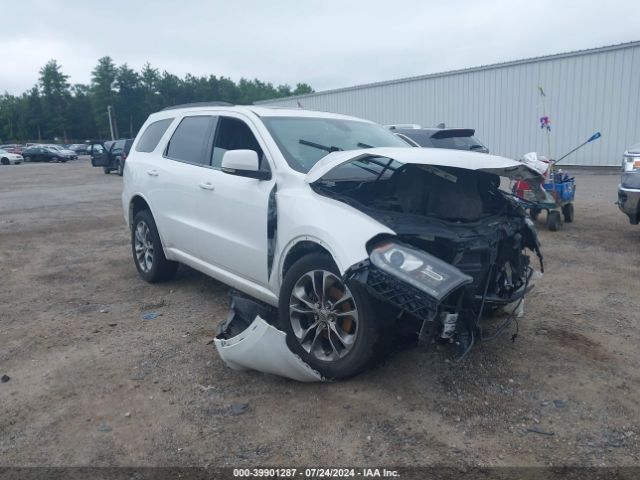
305	140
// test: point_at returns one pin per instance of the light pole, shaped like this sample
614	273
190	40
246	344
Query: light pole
109	113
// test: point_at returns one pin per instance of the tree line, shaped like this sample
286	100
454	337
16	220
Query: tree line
54	109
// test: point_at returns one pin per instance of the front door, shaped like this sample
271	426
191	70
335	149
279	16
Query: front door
233	210
99	156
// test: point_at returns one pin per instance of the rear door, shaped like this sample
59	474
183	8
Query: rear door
173	182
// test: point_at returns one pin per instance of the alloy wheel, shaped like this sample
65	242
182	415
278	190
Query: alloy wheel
143	245
323	315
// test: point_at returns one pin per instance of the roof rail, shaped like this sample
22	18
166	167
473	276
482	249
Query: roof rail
199	104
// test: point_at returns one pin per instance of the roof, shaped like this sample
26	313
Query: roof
260	111
556	56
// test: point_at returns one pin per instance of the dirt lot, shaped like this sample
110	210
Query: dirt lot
92	383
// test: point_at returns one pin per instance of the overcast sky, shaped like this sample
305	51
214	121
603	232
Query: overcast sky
326	43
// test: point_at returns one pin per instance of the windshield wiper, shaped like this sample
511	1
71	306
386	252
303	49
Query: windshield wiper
319	146
364	145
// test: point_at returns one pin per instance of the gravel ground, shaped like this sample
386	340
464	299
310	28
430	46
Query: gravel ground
92	383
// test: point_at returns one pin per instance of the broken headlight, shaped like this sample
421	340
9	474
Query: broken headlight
419	269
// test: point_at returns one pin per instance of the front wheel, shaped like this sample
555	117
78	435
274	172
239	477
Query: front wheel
330	324
5	161
27	159
106	170
148	254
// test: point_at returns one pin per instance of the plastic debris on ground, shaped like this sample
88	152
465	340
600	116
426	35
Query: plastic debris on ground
246	341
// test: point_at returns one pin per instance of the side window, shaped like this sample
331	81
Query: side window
234	134
152	135
189	141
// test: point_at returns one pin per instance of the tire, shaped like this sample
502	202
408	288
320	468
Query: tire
567	212
554	221
320	346
63	160
54	159
5	161
27	159
106	170
120	167
145	237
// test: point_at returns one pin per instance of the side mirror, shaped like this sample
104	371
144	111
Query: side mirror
244	163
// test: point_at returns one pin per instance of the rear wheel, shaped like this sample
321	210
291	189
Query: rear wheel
567	212
120	167
148	254
554	221
27	159
106	170
330	324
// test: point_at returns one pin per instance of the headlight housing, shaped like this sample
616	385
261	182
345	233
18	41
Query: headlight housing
419	269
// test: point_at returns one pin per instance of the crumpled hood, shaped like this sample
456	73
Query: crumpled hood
438	157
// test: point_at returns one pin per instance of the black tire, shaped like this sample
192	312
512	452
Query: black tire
63	160
5	161
27	159
161	269
367	340
554	221
567	212
54	159
120	167
106	170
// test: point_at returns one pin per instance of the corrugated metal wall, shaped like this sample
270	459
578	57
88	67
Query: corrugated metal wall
586	91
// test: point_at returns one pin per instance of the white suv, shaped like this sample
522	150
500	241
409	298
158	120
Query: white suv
334	220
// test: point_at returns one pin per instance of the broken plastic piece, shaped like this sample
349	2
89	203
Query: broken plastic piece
264	348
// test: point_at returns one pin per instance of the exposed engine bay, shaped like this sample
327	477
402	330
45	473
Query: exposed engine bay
460	250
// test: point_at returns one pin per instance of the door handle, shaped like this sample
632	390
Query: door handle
206	186
152	173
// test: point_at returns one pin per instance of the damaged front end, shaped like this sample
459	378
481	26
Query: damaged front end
460	249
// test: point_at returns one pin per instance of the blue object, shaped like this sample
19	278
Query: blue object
593	137
150	316
564	191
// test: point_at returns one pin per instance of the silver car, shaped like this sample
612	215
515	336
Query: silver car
8	158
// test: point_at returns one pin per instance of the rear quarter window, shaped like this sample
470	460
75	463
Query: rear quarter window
152	135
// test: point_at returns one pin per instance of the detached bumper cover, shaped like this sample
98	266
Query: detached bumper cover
258	345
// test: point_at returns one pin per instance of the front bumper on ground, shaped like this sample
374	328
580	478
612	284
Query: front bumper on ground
629	203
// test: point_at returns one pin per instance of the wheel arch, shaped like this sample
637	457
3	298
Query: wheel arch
299	249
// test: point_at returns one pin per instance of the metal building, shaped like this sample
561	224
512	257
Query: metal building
584	91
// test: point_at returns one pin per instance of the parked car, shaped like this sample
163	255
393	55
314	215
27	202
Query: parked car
68	154
629	195
453	138
333	222
80	148
631	158
8	158
12	148
110	155
43	154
